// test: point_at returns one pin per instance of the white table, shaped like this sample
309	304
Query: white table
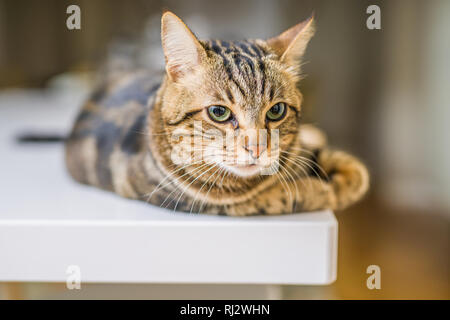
48	222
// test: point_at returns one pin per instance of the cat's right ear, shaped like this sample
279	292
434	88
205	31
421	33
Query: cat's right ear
182	51
291	44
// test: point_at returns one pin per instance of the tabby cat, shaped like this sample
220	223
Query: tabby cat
125	138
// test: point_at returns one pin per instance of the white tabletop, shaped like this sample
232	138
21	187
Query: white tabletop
49	222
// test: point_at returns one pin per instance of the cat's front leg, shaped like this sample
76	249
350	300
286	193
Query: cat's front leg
306	194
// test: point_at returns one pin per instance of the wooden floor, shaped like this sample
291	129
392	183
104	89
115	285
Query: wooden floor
410	246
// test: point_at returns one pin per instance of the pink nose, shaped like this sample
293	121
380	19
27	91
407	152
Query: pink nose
255	150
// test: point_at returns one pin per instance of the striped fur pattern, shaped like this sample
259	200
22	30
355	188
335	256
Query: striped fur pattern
122	140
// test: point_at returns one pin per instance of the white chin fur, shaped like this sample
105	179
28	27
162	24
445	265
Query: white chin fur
244	172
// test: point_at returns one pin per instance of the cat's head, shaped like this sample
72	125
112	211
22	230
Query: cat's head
234	103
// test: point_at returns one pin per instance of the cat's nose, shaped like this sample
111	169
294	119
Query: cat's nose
255	150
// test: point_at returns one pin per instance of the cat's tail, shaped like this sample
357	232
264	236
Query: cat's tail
37	137
348	176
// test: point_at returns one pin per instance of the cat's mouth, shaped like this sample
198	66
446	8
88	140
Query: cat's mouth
244	170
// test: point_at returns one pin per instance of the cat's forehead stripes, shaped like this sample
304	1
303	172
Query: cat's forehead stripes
247	47
245	67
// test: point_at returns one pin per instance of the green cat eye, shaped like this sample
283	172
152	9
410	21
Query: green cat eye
219	113
276	112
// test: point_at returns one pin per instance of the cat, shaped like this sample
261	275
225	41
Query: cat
125	137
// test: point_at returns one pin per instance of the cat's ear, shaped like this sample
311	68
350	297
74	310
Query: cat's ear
291	44
182	51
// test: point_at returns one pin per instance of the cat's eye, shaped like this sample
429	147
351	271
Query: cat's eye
276	112
219	113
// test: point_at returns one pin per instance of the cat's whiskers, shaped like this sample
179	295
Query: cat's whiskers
290	195
169	175
300	149
191	175
305	161
295	163
288	172
199	190
196	178
301	165
301	179
311	165
212	184
151	134
221	181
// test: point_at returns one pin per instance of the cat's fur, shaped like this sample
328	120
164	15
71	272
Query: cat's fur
122	141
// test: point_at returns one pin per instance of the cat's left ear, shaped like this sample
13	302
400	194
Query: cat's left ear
182	50
292	43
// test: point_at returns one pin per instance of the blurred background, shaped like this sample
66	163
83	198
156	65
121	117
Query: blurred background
383	95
